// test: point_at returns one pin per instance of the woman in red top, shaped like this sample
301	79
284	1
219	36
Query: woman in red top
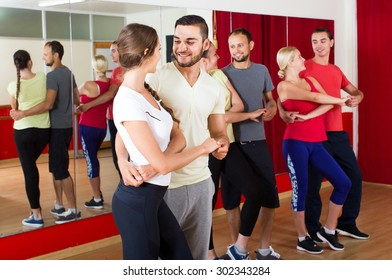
92	125
302	146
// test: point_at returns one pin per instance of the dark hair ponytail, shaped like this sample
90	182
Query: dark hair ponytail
21	61
156	96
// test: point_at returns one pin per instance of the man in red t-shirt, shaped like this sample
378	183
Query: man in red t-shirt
333	80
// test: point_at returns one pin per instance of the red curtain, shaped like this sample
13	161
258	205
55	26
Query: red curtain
269	34
374	69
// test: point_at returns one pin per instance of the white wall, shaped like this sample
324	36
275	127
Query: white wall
343	12
79	51
8	46
162	20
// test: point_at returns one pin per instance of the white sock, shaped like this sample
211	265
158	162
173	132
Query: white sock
264	252
329	231
97	199
58	206
240	250
301	238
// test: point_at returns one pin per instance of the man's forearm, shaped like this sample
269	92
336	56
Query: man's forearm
37	109
177	140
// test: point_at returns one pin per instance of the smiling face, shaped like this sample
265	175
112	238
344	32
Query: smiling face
322	44
48	56
188	45
240	47
297	61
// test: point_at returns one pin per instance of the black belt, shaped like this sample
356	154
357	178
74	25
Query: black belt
245	142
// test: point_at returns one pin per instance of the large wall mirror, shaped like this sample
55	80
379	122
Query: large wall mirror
78	26
84	29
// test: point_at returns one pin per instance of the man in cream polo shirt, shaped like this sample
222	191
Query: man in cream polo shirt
198	102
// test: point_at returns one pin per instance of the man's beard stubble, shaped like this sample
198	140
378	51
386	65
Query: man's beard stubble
193	61
243	59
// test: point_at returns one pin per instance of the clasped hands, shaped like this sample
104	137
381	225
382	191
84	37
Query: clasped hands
133	175
16	115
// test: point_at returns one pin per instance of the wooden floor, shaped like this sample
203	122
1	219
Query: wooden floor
375	218
13	200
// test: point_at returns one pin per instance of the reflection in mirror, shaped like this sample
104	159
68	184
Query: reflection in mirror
27	34
32	28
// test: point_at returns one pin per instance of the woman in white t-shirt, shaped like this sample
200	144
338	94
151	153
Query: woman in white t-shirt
147	227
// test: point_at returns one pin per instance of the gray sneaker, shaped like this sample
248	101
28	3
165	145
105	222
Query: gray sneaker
271	256
57	212
68	216
92	204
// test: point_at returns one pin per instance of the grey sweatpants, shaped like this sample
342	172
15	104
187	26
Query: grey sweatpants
191	205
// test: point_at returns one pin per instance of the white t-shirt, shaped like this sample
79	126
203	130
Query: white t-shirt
130	105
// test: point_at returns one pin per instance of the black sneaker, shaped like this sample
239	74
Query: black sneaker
271	256
351	231
331	239
309	246
68	216
58	212
315	238
93	204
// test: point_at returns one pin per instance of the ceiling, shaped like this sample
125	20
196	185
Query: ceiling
96	6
